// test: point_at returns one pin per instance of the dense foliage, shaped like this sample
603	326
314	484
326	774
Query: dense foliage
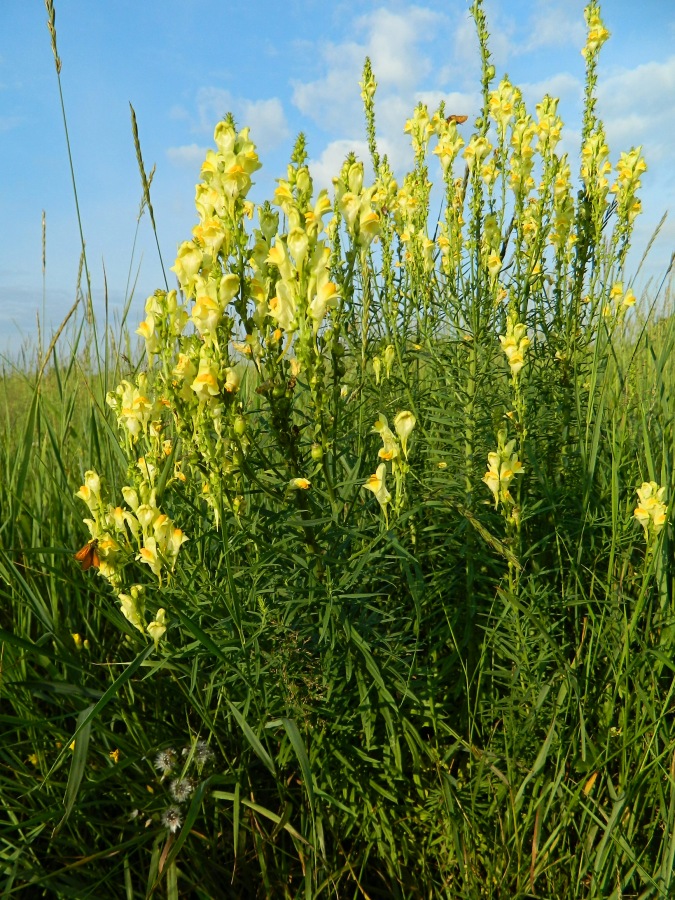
378	579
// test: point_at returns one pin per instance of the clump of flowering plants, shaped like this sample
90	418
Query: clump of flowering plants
297	322
385	506
358	429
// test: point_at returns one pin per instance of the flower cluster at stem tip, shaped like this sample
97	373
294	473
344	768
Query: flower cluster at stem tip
651	512
392	445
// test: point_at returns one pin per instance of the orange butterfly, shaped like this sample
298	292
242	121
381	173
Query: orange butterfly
88	555
460	120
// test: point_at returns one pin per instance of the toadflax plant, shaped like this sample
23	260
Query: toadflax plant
296	322
369	460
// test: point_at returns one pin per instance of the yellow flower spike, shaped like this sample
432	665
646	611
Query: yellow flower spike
503	466
377	368
515	343
476	150
404	423
597	33
376	484
651	511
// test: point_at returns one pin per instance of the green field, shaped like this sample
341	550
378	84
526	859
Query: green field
375	590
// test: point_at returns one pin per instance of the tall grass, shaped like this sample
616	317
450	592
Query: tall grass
391	663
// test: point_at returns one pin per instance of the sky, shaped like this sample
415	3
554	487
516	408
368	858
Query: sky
281	68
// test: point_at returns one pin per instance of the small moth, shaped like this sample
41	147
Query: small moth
88	555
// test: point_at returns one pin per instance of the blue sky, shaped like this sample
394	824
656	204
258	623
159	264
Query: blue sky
280	67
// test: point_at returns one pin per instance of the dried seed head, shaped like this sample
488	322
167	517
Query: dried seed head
165	760
171	818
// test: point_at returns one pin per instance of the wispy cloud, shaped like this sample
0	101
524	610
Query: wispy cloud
637	106
9	123
392	41
555	24
265	116
188	156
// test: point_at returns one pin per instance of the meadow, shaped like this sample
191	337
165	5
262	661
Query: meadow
349	571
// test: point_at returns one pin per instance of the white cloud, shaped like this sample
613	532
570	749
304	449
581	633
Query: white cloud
267	122
636	106
392	45
264	116
212	105
556	25
8	123
562	85
391	40
329	164
187	156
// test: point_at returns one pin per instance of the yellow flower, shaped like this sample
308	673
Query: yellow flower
597	33
148	554
515	343
283	306
114	756
299	484
188	263
476	150
325	298
210	234
232	381
404	424
157	628
129	606
205	384
502	467
389	450
228	287
651	511
376	484
206	314
147	331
